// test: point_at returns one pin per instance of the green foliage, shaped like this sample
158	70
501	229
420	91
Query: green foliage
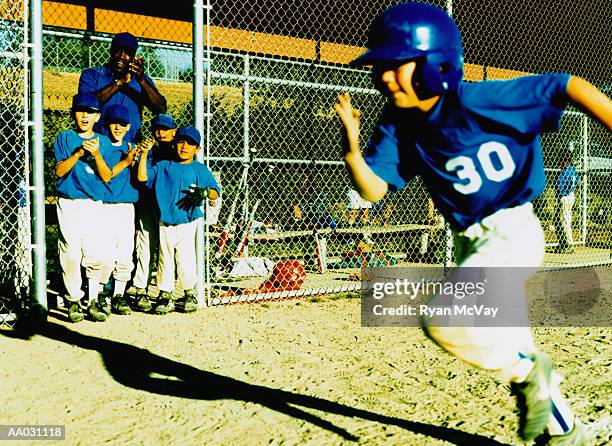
186	75
154	67
65	54
54	122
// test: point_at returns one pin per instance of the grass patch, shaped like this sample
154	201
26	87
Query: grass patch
345	295
316	299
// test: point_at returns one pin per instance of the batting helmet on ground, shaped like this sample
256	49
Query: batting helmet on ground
417	31
287	275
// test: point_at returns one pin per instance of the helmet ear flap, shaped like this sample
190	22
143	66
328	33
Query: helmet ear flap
419	83
441	73
412	30
445	67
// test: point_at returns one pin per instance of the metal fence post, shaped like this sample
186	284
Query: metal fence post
38	165
585	165
246	143
198	109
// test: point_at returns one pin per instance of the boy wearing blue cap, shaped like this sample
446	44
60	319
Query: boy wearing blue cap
476	146
123	81
180	187
81	172
119	209
147	218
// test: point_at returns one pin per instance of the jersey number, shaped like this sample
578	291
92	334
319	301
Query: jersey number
466	170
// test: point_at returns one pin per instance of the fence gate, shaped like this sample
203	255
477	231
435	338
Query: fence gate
15	255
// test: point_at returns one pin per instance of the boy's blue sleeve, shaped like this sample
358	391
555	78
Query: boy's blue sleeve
529	104
152	173
106	149
88	82
59	148
207	180
383	156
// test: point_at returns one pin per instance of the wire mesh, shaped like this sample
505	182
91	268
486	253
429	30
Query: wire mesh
276	69
15	257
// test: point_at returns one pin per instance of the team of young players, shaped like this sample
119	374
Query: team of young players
97	190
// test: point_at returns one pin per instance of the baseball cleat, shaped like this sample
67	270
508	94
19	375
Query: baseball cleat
95	312
75	313
533	398
140	300
165	304
120	305
103	303
578	436
189	302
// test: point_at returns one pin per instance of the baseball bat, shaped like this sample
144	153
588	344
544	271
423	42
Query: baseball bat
245	238
224	236
321	243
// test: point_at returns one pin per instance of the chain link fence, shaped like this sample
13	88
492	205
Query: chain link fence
15	255
275	71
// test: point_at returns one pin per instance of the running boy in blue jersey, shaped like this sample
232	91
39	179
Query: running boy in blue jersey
119	209
476	147
147	218
81	173
180	187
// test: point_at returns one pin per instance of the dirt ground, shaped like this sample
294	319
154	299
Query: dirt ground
299	372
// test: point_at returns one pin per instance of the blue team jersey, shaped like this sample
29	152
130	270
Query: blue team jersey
96	78
171	182
159	152
478	151
567	181
121	187
82	181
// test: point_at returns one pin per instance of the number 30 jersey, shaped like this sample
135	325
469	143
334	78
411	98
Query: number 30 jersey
478	151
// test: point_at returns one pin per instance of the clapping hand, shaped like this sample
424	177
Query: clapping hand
137	68
146	145
91	146
132	154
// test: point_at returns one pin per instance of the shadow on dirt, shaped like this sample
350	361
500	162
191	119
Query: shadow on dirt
140	369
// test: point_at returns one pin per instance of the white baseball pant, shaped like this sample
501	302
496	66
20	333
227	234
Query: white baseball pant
147	242
118	250
564	218
79	243
177	256
509	238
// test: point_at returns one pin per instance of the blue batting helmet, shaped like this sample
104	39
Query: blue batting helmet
417	30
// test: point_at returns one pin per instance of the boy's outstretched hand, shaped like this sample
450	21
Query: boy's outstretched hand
350	120
193	197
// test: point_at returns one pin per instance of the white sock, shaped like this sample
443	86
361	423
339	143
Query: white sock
561	419
94	289
119	288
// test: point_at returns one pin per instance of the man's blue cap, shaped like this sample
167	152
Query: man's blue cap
117	113
163	120
125	40
85	102
188	132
